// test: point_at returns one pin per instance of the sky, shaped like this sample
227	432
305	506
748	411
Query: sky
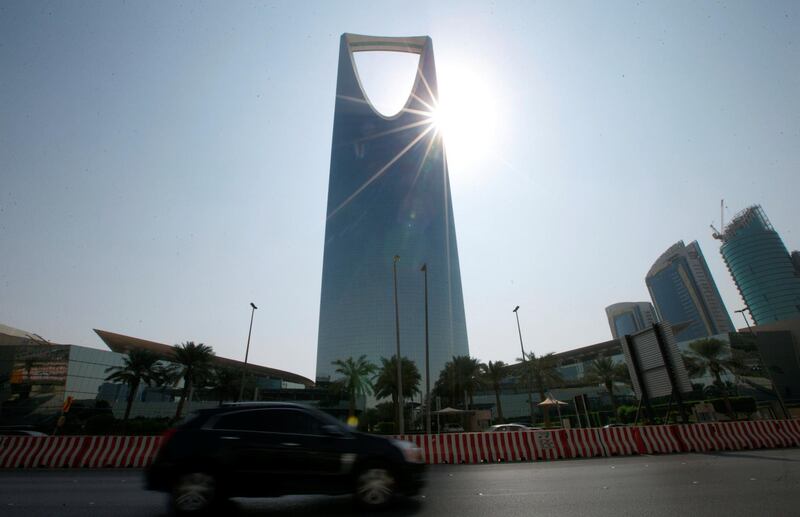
164	164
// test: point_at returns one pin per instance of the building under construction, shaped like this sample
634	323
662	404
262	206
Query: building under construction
761	266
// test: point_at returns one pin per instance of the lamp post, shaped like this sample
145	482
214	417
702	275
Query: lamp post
524	360
424	270
400	425
766	366
247	350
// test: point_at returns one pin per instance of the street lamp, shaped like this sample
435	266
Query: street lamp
524	360
424	270
400	425
520	331
247	350
763	361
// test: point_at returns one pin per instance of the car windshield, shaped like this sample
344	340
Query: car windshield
383	231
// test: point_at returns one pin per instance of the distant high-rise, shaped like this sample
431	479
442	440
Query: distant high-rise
630	317
761	267
684	293
388	194
796	262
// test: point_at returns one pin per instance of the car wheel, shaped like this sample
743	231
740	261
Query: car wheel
375	487
194	493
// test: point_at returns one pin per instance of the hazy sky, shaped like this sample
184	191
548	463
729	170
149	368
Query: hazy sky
163	164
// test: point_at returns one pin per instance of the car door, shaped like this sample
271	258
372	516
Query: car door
313	460
250	449
282	450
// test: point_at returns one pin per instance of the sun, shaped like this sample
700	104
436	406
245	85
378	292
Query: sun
466	118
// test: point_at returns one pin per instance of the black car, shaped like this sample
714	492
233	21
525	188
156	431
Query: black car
272	449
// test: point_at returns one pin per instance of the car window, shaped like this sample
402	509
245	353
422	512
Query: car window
271	421
251	420
295	421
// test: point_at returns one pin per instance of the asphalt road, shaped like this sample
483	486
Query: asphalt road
730	484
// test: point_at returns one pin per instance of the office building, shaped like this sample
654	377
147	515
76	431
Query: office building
630	317
761	267
388	195
36	377
684	293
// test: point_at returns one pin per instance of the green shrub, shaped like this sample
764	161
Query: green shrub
145	426
100	424
385	428
739	404
626	414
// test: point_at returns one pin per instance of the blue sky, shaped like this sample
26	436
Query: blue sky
164	164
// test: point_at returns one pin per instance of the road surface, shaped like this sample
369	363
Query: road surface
732	484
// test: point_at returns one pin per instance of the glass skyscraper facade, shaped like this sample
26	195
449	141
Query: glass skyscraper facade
630	317
684	293
389	194
761	267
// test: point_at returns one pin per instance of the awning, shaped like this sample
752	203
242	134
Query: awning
450	411
551	401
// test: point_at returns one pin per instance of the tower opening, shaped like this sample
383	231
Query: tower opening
386	78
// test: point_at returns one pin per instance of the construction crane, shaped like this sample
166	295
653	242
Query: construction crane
716	233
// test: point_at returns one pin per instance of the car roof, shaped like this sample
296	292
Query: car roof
194	418
252	405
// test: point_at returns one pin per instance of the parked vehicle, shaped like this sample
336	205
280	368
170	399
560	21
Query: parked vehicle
452	428
509	427
20	432
273	449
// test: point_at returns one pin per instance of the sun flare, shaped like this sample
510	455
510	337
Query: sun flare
466	117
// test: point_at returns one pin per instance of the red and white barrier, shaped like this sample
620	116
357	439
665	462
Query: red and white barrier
793	430
455	448
458	448
618	441
77	451
584	443
658	439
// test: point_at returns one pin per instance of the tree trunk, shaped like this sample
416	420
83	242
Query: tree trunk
352	404
396	412
610	388
186	391
728	405
131	395
500	419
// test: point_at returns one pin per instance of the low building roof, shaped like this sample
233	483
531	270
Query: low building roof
123	344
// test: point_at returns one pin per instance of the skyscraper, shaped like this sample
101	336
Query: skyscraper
388	194
761	267
630	317
685	294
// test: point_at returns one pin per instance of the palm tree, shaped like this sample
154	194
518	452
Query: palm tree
194	363
694	366
386	381
224	382
139	366
543	373
492	374
30	364
709	354
458	379
603	370
356	378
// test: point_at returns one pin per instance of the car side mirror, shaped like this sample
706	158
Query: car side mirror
333	430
